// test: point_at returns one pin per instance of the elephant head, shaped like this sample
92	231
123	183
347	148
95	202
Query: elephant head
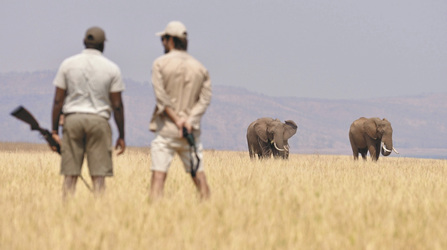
381	130
274	134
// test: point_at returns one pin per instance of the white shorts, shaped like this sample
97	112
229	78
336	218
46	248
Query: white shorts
163	150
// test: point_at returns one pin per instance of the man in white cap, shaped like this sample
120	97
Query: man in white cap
182	88
88	90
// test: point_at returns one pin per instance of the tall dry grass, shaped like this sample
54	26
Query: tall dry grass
307	202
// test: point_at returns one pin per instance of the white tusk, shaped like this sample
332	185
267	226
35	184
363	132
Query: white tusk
385	149
278	148
395	150
286	147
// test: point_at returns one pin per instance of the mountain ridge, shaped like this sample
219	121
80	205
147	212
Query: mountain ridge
419	122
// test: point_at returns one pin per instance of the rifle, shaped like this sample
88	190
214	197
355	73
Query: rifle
24	115
190	138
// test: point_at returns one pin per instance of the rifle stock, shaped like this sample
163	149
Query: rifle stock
24	115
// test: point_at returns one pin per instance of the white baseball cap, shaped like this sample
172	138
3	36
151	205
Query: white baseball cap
174	28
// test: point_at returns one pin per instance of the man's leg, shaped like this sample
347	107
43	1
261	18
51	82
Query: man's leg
157	184
98	141
72	154
162	155
99	185
69	186
202	185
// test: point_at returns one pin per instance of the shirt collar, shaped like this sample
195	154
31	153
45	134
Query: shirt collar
92	52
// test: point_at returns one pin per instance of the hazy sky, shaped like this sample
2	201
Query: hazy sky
337	49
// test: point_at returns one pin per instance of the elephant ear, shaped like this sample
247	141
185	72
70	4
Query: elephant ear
370	127
261	131
289	129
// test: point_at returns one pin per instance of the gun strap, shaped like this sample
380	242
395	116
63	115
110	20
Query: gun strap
86	183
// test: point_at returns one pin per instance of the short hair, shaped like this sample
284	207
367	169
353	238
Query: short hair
179	43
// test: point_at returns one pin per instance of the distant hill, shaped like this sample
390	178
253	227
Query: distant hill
419	122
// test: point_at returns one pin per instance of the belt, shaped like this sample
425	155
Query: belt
78	113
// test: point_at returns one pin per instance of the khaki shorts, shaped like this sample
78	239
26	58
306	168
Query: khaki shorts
90	134
163	150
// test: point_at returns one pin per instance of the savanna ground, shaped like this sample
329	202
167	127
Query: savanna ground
307	202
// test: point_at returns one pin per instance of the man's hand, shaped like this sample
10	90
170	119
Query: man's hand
180	123
57	139
188	127
120	145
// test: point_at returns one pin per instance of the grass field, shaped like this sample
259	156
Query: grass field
307	202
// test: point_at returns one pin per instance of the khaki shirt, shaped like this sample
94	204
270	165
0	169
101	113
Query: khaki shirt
183	84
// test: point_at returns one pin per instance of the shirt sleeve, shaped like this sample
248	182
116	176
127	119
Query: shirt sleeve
59	80
204	101
117	82
162	98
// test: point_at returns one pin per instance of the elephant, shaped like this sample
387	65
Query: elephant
267	136
373	135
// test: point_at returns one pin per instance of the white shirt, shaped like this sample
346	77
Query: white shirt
88	78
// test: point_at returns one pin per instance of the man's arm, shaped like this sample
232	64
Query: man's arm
200	107
58	103
163	100
118	114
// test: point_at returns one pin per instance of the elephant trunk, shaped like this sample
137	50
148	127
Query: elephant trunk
385	151
281	150
278	143
387	147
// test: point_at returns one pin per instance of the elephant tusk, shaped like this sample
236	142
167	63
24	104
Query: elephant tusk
287	148
385	149
278	148
395	150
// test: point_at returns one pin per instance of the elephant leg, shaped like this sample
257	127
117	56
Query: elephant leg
355	150
251	152
363	152
260	152
252	155
355	153
377	151
276	153
263	156
373	152
264	150
254	150
266	155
